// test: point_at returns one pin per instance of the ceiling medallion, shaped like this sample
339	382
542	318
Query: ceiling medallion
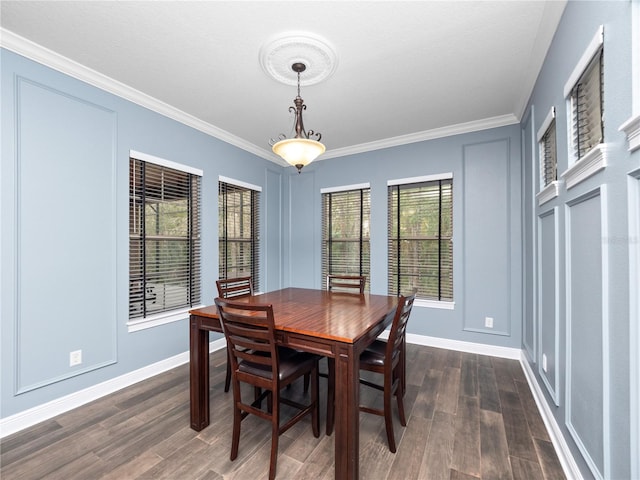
280	53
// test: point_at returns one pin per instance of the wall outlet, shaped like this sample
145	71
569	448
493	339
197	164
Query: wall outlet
544	362
488	322
75	358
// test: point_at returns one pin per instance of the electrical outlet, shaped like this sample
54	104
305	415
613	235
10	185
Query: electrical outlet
75	358
488	322
544	362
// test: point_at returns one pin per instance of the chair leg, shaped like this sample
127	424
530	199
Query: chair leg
388	424
331	394
237	420
315	415
275	433
399	395
227	379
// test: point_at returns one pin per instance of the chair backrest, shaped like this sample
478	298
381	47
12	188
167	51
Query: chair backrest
234	287
346	283
249	330
398	331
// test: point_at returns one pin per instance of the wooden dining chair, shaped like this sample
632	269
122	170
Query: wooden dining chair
351	284
257	360
387	358
233	288
346	283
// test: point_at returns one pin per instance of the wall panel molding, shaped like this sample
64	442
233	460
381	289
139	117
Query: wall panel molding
60	136
633	183
486	181
550	377
587	348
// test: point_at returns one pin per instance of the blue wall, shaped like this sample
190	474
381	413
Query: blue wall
577	247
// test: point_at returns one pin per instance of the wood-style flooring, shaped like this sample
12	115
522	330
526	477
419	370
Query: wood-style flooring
468	417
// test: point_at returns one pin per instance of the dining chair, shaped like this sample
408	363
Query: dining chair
351	284
346	283
233	288
387	358
257	360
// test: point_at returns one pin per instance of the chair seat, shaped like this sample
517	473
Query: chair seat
291	362
374	354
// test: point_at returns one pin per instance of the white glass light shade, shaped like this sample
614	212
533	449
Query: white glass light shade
298	151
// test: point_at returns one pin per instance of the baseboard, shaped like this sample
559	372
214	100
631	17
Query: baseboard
40	413
565	457
460	346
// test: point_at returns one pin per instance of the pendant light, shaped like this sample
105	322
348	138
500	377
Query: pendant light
300	150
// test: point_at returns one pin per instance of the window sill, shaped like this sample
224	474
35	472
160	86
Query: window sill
159	319
590	164
632	128
434	304
548	193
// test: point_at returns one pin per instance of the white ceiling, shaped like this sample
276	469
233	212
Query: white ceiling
406	71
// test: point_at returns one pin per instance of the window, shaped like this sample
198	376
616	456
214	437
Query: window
548	156
345	231
238	230
421	237
164	236
587	109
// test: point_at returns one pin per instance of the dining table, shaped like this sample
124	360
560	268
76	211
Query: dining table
333	324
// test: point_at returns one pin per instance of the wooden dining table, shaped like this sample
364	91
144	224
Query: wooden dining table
336	325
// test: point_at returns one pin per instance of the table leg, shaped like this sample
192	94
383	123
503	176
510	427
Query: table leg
199	374
347	412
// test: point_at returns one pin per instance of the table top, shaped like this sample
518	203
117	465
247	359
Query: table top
343	317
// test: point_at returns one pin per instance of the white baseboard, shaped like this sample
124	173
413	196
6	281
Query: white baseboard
470	347
40	413
565	457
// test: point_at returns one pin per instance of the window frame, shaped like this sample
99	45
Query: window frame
326	262
422	301
175	314
549	190
581	168
254	238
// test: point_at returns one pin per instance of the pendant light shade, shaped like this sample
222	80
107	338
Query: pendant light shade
300	150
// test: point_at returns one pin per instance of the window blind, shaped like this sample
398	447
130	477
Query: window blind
420	239
587	107
238	232
549	155
164	239
345	233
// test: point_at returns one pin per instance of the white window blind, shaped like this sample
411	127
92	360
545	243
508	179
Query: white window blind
587	108
420	239
345	233
238	232
164	238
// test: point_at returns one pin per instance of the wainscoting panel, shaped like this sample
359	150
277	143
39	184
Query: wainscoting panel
303	271
587	355
548	302
66	277
273	231
487	269
633	183
529	286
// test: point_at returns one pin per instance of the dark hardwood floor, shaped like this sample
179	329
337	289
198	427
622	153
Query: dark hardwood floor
468	417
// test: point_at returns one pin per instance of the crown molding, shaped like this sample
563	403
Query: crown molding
460	128
51	59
